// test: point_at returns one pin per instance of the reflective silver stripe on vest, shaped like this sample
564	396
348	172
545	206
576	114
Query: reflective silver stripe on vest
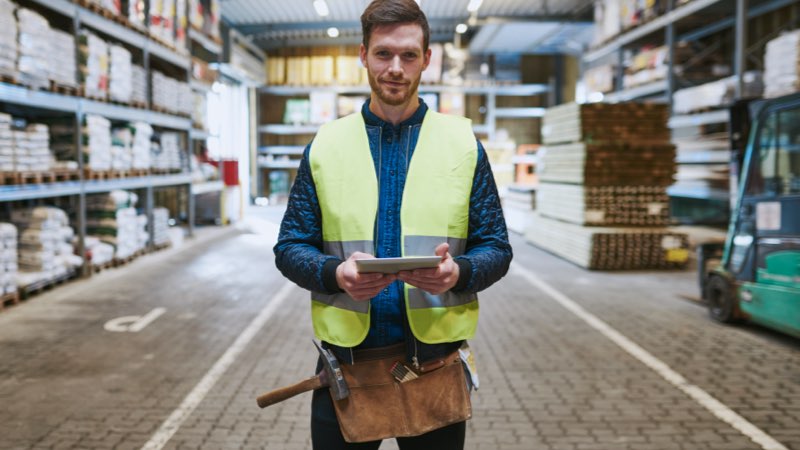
426	245
419	299
341	301
343	249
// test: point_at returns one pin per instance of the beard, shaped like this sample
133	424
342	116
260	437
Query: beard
393	96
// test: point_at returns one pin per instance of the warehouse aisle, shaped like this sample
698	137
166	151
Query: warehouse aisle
231	327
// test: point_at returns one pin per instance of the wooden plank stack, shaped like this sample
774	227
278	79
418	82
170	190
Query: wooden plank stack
606	166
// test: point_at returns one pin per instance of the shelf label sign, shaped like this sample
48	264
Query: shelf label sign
133	324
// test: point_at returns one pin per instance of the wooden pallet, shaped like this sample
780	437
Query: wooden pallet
65	175
9	299
159	247
40	286
97	268
10	79
63	89
89	174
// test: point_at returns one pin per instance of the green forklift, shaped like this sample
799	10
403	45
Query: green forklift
755	274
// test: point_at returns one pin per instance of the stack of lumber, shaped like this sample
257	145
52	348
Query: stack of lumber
602	201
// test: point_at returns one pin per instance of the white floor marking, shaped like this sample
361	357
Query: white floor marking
193	399
134	324
702	397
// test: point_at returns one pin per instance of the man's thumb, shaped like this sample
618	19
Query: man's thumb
441	249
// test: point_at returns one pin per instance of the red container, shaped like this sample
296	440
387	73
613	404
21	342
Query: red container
230	172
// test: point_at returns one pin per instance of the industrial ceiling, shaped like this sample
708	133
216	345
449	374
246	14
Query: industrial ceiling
516	26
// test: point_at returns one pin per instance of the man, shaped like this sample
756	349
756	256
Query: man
394	180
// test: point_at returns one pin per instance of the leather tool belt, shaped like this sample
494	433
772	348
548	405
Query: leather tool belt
381	406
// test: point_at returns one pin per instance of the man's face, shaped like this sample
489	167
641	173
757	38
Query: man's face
395	61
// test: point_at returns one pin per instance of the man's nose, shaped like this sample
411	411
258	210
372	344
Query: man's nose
395	66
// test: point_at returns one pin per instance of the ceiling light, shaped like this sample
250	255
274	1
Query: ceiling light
461	28
333	32
474	5
321	7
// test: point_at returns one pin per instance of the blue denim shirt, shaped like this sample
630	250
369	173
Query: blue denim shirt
299	254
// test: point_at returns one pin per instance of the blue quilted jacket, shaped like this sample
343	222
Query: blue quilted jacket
298	253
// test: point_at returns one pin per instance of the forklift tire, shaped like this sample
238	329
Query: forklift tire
721	303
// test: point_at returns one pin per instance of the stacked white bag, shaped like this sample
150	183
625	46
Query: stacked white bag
45	250
62	60
167	155
140	148
782	65
32	148
112	219
160	226
8	259
121	143
138	84
7	151
97	142
94	65
8	39
34	49
120	74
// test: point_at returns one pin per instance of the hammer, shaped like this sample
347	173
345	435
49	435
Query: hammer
330	376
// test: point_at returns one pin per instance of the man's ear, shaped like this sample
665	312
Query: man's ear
427	59
362	54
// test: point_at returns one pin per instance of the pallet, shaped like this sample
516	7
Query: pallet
65	175
63	89
27	177
117	262
89	174
44	285
159	247
9	299
138	105
82	93
9	79
97	268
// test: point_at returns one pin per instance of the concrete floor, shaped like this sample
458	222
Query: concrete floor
568	359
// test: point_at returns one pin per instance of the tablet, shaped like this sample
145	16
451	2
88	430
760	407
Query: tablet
394	265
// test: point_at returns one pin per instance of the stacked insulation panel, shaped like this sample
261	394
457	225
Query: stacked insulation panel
8	259
8	39
601	201
62	60
122	148
35	50
120	74
113	220
172	95
93	65
45	244
782	65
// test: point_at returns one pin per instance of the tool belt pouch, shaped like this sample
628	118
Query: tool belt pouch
381	407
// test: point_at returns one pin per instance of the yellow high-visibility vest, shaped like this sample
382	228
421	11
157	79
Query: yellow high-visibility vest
435	209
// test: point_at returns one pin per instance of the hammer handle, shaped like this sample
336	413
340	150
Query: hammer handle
279	395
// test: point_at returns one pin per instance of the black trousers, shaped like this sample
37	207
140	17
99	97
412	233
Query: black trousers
326	435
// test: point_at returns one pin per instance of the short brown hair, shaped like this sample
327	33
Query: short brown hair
391	12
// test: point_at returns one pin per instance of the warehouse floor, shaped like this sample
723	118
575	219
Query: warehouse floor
569	359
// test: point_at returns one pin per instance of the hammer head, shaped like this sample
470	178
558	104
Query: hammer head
333	373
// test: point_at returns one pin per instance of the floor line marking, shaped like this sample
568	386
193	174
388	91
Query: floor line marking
706	400
193	399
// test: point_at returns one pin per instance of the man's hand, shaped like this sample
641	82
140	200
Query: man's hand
438	280
361	286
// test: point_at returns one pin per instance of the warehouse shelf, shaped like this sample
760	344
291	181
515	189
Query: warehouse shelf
645	90
23	96
280	164
653	26
208	43
519	113
205	187
701	193
502	90
13	193
705	118
288	129
198	134
281	150
116	30
112	111
199	86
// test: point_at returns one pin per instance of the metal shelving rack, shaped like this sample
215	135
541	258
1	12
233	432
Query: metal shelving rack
663	90
265	154
55	102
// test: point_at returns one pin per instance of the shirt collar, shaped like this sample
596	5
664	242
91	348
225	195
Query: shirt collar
372	120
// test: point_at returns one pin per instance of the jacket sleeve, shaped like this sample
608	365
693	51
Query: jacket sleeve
488	253
299	250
